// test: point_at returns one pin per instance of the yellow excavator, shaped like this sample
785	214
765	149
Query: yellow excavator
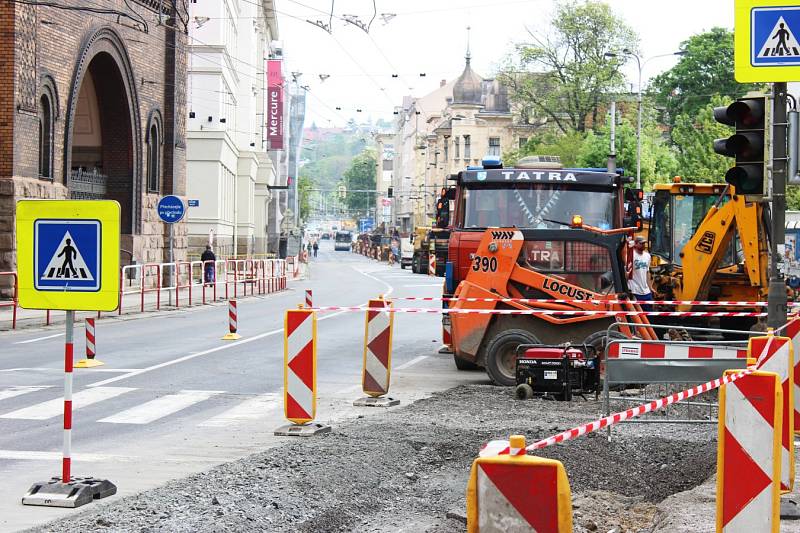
708	243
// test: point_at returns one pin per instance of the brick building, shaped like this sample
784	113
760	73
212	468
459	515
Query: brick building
92	106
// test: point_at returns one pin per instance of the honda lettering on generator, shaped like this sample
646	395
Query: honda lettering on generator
536	231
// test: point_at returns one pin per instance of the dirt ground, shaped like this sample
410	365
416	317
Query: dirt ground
406	468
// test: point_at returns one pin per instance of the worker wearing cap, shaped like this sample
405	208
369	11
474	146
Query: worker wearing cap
639	273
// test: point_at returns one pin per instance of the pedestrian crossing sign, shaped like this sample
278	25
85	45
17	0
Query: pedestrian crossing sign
68	254
767	41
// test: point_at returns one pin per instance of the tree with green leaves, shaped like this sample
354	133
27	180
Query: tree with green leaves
361	176
704	70
657	162
694	135
567	146
304	186
563	75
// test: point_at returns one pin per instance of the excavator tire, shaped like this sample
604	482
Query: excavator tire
501	355
463	364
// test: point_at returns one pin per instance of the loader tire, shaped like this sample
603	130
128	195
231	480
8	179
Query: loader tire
501	355
463	364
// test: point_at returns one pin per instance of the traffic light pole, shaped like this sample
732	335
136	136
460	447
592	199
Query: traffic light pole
776	315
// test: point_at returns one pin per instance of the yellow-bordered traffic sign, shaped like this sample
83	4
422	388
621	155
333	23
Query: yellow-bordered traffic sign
766	40
68	254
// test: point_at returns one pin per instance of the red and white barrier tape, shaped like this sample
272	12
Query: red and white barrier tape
596	302
498	447
554	312
616	418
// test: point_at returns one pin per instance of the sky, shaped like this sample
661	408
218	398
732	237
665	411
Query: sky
430	37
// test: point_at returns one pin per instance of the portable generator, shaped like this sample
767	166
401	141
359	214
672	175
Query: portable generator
556	370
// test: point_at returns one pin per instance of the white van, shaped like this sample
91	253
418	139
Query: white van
406	251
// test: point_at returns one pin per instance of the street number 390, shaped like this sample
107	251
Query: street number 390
485	264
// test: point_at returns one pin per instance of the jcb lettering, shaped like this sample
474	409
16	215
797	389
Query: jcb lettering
706	243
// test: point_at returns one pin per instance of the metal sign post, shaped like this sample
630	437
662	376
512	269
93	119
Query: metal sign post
171	209
68	259
766	49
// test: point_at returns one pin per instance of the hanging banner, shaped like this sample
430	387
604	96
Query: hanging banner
274	105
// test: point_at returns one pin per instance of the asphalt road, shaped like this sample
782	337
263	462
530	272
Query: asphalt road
174	399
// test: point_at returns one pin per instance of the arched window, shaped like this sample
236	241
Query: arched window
45	137
153	159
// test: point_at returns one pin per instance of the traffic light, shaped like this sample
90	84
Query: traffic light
748	145
390	192
633	209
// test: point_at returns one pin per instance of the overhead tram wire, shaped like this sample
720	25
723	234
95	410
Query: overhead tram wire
97	12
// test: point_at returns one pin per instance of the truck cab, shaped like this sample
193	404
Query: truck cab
536	194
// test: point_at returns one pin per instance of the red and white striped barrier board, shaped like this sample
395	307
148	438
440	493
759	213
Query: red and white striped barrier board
793	332
748	454
309	298
233	322
300	366
91	350
518	493
578	312
447	332
90	346
777	355
638	350
431	264
377	350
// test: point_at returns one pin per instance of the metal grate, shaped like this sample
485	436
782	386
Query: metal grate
87	185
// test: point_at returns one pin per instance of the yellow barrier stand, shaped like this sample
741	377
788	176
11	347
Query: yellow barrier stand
513	492
749	454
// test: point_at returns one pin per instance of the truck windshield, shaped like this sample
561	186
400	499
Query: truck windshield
535	205
343	236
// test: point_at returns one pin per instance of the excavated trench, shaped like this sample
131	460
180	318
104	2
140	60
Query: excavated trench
406	468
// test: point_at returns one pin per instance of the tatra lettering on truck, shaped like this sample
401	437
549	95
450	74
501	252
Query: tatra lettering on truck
505	175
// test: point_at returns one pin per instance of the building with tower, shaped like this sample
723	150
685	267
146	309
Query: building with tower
443	132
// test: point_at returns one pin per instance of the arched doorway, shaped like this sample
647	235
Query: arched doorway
102	149
102	144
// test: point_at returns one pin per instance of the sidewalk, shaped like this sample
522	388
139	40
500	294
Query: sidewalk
132	303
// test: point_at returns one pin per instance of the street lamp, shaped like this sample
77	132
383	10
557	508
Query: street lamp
640	65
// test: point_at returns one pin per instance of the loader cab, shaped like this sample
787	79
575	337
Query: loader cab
677	211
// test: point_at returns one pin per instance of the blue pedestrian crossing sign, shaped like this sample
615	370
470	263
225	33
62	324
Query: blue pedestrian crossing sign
767	40
68	254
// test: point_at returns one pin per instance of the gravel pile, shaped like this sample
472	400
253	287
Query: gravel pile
405	469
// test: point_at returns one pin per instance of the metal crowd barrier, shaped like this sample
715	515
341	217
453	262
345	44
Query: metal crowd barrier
645	362
262	276
14	295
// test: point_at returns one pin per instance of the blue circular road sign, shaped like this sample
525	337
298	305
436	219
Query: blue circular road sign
171	209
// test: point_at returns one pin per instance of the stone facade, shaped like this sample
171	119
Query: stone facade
127	129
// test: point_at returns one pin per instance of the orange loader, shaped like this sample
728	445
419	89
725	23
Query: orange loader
582	264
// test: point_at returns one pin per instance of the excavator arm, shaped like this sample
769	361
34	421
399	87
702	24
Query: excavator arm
704	251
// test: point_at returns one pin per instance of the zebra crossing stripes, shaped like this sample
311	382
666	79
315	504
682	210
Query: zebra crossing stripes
250	409
160	407
18	391
55	407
